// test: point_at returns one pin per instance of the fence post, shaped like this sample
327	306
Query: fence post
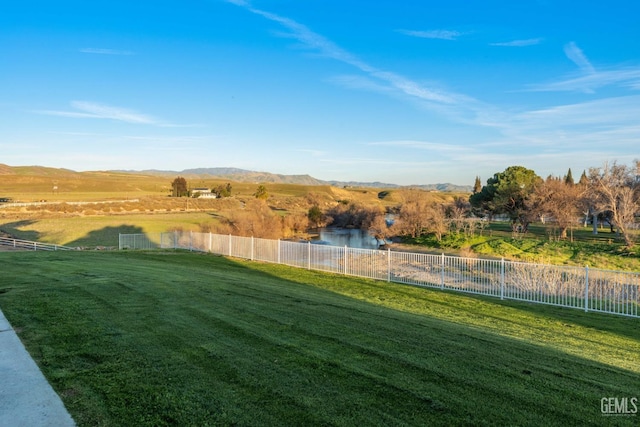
278	251
388	265
502	279
190	241
442	272
210	242
229	244
119	241
309	255
251	248
586	289
346	257
175	239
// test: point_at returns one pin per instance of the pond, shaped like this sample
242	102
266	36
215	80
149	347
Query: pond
353	238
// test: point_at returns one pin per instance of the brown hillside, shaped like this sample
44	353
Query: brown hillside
5	169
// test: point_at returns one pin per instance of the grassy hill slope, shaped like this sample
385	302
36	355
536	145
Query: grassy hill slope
171	338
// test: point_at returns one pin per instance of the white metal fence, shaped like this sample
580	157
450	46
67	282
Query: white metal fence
607	291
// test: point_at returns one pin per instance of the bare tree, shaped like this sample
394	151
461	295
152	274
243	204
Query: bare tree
375	223
419	215
615	189
349	215
411	219
557	200
294	224
437	222
458	213
256	219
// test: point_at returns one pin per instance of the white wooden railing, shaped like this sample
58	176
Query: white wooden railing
30	245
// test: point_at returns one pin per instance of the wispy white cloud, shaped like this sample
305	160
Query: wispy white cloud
608	124
586	118
163	142
575	54
624	77
433	34
589	79
507	135
159	140
420	145
94	110
361	82
101	111
76	133
98	51
376	161
327	48
612	111
242	3
519	43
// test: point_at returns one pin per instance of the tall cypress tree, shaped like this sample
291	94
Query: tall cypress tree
583	178
569	178
477	186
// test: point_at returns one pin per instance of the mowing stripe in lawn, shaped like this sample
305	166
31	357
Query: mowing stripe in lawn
175	338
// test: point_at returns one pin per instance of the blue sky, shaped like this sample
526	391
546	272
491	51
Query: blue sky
406	92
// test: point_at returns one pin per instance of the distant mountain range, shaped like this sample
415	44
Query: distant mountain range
231	174
243	175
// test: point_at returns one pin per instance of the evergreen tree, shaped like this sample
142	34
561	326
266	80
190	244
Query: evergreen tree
477	186
261	193
569	178
506	193
315	215
583	179
179	187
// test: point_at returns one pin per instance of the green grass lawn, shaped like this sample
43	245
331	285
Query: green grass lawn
173	338
92	231
604	250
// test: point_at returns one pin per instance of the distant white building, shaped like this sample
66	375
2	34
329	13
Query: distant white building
203	193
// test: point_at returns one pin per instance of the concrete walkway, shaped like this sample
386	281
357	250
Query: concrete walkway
26	398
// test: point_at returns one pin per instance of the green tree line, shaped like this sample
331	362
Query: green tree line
610	193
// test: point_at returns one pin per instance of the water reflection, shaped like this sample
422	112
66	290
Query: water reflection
353	238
